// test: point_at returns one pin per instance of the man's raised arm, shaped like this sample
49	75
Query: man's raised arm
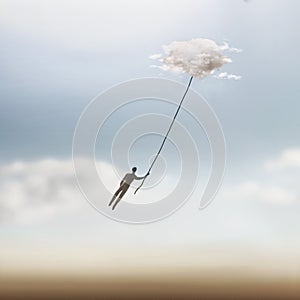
140	178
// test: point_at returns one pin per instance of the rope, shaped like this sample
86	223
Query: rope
166	136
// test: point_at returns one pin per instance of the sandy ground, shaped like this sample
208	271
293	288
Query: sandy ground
146	288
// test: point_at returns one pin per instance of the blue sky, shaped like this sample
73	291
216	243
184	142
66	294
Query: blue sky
57	55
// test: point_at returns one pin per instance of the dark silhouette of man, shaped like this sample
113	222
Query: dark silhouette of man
124	185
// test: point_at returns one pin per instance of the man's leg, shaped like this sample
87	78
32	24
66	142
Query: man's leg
115	195
115	204
124	190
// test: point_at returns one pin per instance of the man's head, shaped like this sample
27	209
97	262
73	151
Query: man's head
134	169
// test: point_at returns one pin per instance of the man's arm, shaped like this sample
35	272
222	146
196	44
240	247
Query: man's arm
139	178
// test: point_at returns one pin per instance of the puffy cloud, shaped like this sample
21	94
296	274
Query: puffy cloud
38	190
281	188
197	57
289	158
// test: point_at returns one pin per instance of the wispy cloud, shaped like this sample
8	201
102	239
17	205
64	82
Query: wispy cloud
253	191
225	75
155	56
226	47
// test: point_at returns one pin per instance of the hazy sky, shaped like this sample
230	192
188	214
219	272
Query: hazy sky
57	55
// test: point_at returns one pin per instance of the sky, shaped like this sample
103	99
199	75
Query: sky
56	56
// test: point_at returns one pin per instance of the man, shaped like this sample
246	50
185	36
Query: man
124	185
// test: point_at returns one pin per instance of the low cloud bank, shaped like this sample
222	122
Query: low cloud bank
37	190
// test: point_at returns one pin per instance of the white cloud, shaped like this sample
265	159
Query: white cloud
225	75
289	158
37	190
155	56
253	191
280	187
197	57
230	49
